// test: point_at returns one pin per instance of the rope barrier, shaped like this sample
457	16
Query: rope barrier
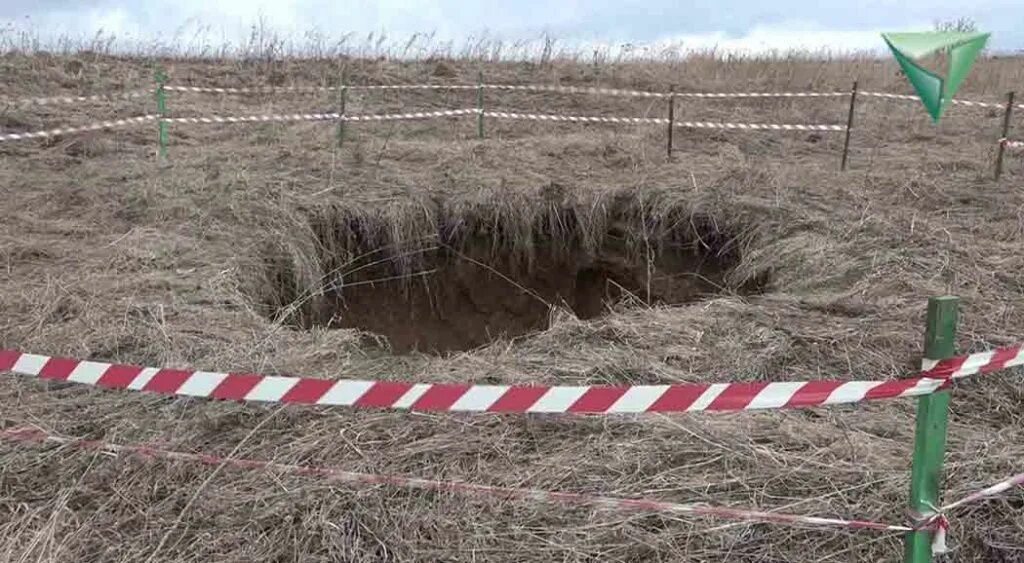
236	119
656	120
68	130
321	117
646	94
467	397
911	97
76	99
567	90
35	435
272	89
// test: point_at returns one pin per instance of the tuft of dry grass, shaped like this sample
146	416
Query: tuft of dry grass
105	254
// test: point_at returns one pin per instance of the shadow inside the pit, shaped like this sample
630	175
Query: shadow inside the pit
449	301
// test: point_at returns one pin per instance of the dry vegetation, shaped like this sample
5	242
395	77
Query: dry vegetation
225	258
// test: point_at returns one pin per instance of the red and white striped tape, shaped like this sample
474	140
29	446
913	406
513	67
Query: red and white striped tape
1012	144
464	397
237	119
76	99
31	434
663	121
911	97
68	130
321	117
272	89
646	94
987	492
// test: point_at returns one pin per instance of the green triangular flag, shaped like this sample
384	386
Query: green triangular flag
935	92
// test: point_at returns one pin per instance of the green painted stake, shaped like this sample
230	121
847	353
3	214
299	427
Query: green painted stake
342	95
480	105
930	433
161	109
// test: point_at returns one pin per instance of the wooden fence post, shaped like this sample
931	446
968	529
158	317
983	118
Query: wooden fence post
161	110
1006	131
480	105
671	117
342	96
849	125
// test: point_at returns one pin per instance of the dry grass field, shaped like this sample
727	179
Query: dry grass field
544	253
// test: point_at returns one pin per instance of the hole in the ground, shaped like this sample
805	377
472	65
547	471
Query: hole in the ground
435	296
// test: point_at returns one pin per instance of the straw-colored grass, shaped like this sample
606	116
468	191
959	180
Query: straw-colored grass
105	254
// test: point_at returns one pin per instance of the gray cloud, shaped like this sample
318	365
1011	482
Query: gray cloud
605	20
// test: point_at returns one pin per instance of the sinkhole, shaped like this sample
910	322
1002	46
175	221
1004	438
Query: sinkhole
459	289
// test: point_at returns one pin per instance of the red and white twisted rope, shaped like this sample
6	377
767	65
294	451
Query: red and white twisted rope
987	492
954	102
29	434
82	129
663	121
272	89
77	99
237	119
467	397
321	117
646	94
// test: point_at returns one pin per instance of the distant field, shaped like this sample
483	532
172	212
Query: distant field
544	253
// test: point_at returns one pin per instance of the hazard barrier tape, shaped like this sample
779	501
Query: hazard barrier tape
1012	144
322	117
84	128
938	521
272	89
29	434
448	397
237	119
647	94
75	99
987	492
657	120
519	87
954	102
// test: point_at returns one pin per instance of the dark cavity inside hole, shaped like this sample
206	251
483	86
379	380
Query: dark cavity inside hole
432	298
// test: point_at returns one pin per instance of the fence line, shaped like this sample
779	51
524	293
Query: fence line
465	397
663	121
563	89
66	130
237	119
306	89
321	117
76	99
36	435
936	522
508	87
334	116
914	98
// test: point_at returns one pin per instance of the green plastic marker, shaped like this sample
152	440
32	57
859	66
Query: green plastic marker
936	92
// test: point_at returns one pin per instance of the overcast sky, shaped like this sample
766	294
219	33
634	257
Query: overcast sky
729	24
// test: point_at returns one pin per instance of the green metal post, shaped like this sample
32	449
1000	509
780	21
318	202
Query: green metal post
930	433
480	105
342	95
161	109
